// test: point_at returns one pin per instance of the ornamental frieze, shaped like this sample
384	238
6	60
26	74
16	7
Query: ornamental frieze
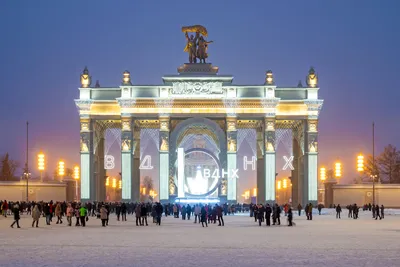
196	88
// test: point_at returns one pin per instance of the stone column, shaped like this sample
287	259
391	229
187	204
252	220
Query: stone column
260	166
127	150
88	189
310	189
328	197
136	164
270	159
296	184
231	131
164	158
100	171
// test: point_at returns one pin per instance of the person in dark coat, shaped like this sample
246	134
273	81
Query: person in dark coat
382	211
276	216
299	208
16	215
290	217
188	211
377	213
338	211
268	212
260	214
203	216
123	211
143	214
219	215
159	211
118	211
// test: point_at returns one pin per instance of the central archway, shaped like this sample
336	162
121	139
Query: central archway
197	134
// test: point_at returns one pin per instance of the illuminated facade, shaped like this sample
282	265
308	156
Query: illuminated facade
199	102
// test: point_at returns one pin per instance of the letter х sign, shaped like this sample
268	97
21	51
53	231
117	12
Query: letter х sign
288	163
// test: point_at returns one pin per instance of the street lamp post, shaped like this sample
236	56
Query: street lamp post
41	165
373	166
26	163
61	169
76	177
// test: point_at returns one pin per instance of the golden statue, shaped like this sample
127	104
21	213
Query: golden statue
269	146
312	78
85	78
196	45
126	144
231	145
164	144
84	145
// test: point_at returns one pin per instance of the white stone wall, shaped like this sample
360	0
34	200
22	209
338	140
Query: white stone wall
16	191
387	195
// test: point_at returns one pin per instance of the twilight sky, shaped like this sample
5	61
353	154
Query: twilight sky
353	45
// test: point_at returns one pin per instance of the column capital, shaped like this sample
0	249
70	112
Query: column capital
231	123
164	123
313	107
269	106
230	105
126	123
83	106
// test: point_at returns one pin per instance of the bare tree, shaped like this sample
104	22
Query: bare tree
8	168
370	169
389	165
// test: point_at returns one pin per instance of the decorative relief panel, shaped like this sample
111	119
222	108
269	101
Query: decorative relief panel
164	124
84	126
126	141
196	88
126	124
84	142
231	124
313	143
164	143
270	125
270	141
231	144
313	126
127	103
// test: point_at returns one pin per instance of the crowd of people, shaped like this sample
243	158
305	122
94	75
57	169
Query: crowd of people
205	214
353	211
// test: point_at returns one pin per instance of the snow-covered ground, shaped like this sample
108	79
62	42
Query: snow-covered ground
325	241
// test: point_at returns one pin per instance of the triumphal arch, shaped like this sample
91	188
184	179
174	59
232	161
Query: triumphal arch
195	117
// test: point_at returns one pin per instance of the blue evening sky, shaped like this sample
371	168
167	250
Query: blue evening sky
353	45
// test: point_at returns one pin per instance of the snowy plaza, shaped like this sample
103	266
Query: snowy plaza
324	241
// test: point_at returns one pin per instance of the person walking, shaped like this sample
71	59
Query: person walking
103	215
35	215
159	211
203	216
268	212
197	213
219	215
83	213
70	213
143	214
338	211
299	207
58	213
16	215
382	211
290	217
260	214
377	213
123	212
